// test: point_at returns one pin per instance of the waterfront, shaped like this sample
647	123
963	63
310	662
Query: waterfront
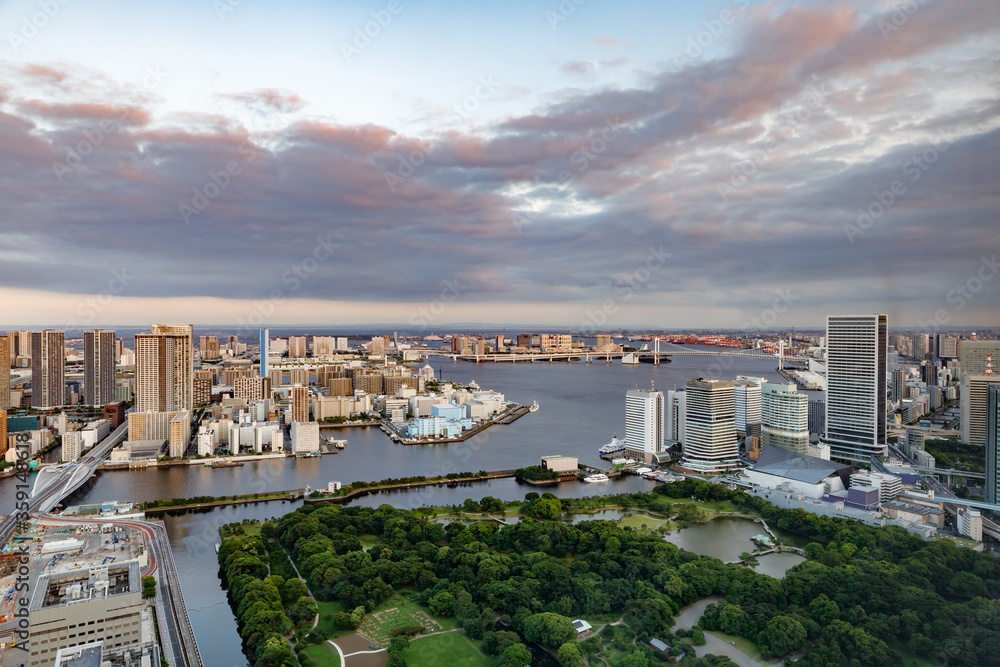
581	406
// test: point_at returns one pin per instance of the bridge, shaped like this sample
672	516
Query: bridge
590	356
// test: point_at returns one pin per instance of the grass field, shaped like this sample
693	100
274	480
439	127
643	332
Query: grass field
453	649
745	646
397	612
328	609
323	655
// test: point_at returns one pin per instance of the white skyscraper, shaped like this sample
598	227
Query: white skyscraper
673	420
747	405
856	386
264	336
644	423
710	432
785	418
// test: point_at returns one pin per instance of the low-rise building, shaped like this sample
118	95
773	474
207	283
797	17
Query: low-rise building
561	464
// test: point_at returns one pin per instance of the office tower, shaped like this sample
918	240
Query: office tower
748	403
264	339
993	444
4	375
928	373
856	386
96	603
921	346
300	403
480	348
817	417
897	385
947	346
972	355
48	373
785	418
644	423
499	344
11	349
673	421
710	426
973	407
164	368
98	367
377	346
296	347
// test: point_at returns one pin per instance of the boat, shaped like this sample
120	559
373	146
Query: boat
225	463
534	407
340	444
474	385
217	545
598	477
612	447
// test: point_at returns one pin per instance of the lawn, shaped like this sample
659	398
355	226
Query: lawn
252	528
326	612
453	649
323	655
637	521
745	646
398	612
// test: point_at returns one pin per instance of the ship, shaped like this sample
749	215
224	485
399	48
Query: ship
534	407
224	463
598	477
612	447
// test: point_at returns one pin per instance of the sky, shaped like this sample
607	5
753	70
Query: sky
578	163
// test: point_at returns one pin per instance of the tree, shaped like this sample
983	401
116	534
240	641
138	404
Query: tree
304	609
549	629
516	655
570	655
292	590
635	659
545	508
783	635
148	587
443	604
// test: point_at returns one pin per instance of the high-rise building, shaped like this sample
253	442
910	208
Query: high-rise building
342	343
4	375
748	403
710	426
98	367
973	407
673	421
817	417
993	444
856	386
264	339
928	373
972	355
947	346
896	387
252	388
377	346
164	368
300	403
921	346
644	423
296	347
48	368
305	437
785	418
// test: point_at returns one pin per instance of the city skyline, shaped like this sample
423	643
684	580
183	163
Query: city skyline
577	169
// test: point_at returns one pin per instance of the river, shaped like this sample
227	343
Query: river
581	406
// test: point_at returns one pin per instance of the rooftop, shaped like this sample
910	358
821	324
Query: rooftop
86	584
800	467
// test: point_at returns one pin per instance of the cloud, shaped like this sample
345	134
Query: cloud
746	169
